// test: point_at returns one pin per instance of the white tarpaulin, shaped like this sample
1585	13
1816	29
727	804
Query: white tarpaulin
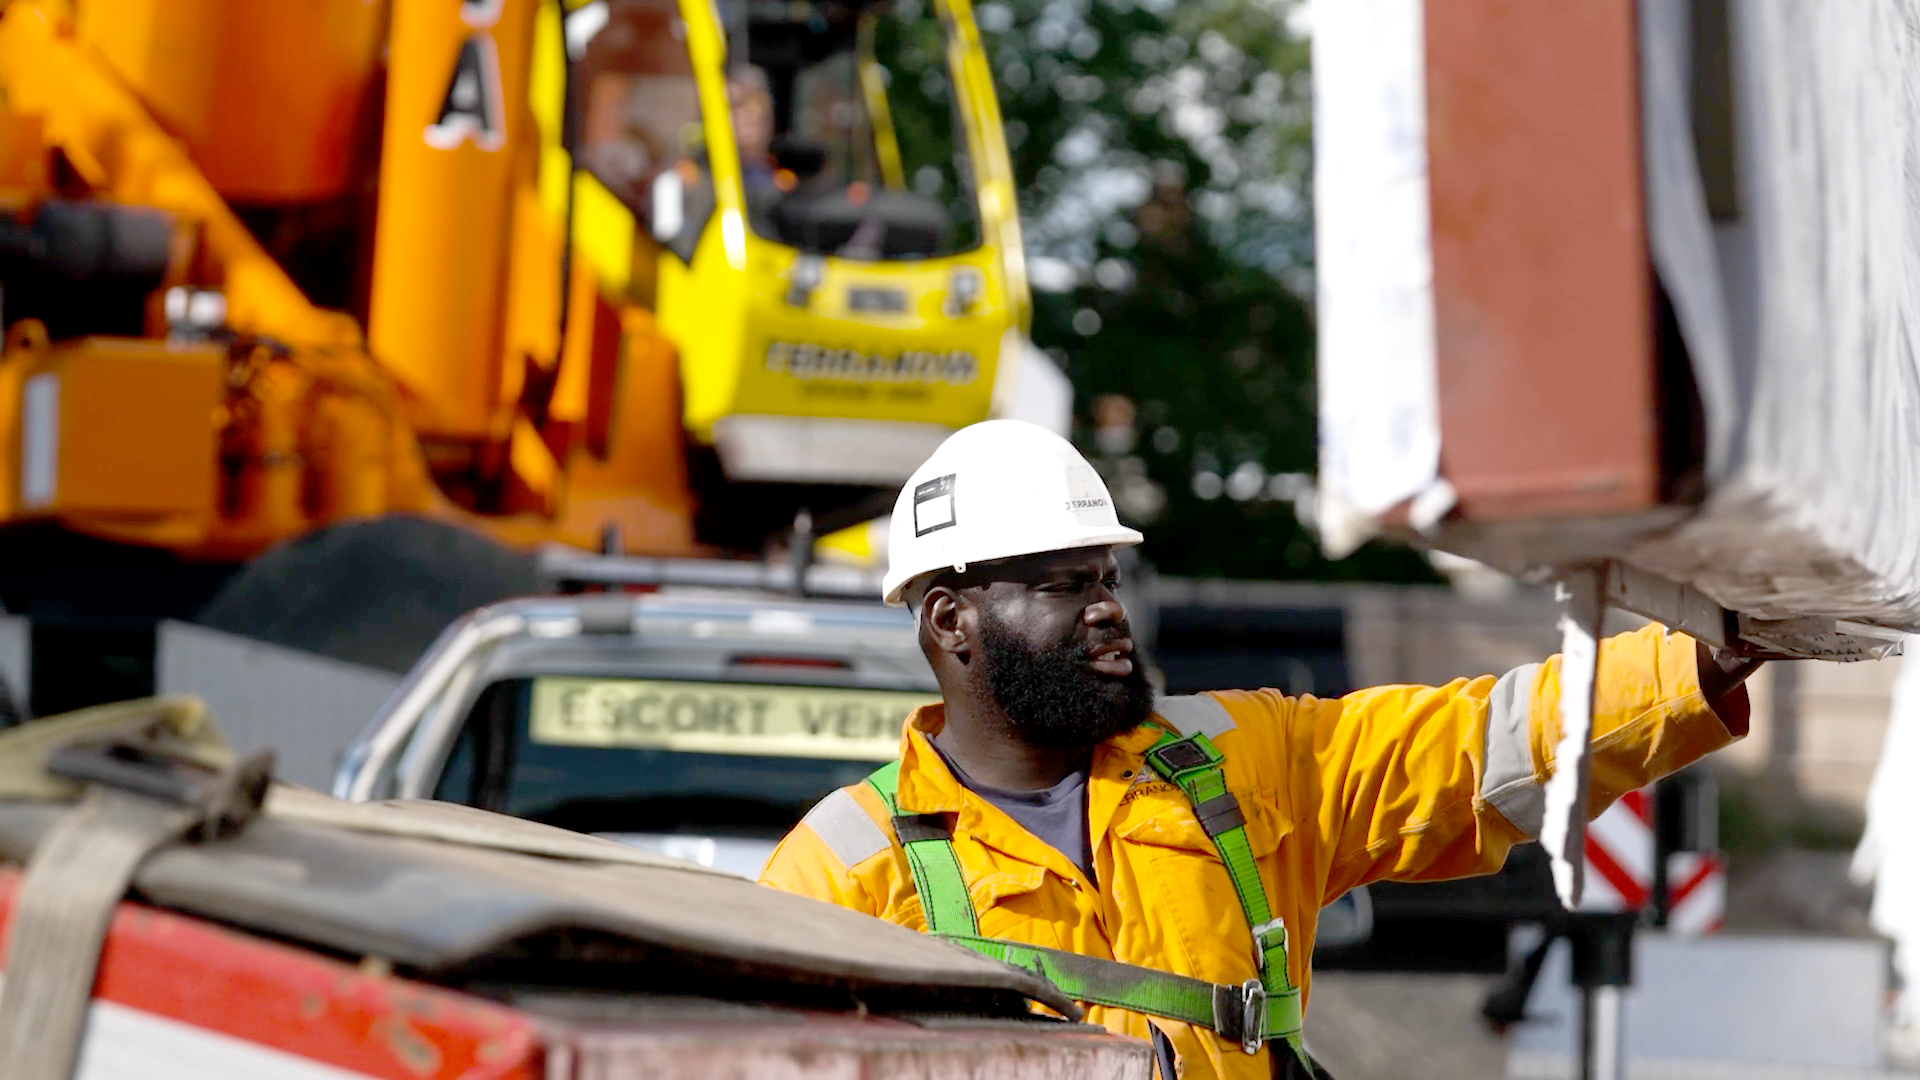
1803	319
1379	411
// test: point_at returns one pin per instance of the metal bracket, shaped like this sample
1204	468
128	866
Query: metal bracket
1687	609
1253	1018
1260	933
1240	1013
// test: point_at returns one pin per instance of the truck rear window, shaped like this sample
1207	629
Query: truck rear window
660	756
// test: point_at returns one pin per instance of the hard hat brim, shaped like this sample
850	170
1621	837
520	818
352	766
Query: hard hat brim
1091	536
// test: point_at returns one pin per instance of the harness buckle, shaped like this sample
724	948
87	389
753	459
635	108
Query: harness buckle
143	759
1253	1015
1260	946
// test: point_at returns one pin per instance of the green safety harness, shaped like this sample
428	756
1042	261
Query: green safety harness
1260	1010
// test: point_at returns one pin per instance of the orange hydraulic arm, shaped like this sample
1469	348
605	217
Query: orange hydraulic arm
220	444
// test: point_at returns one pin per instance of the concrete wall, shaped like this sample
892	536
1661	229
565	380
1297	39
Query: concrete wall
307	707
1434	635
1394	634
1819	725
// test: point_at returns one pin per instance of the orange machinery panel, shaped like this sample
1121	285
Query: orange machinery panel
271	99
122	426
456	130
1542	290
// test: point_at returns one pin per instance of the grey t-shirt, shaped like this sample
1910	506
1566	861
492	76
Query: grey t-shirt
1057	815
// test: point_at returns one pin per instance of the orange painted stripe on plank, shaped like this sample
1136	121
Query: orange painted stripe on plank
274	995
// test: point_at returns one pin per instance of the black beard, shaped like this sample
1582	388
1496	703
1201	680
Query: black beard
1054	697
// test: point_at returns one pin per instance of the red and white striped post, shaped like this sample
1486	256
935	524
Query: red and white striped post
1621	849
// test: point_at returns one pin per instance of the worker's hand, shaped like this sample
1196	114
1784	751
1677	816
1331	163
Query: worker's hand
1721	673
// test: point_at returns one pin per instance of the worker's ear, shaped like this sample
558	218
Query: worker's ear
946	617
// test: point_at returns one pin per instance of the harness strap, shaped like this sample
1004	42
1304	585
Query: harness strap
1245	1014
1254	1012
928	840
1194	766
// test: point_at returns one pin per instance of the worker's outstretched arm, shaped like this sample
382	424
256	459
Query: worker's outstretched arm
1423	783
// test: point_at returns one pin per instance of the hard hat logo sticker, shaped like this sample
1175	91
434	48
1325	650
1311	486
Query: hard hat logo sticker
1085	491
933	505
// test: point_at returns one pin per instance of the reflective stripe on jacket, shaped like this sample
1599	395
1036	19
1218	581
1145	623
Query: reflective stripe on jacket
1409	783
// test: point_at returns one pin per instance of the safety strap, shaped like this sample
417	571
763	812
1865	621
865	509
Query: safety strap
1194	765
928	841
1257	1011
141	796
1243	1014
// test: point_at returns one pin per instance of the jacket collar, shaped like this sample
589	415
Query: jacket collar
927	786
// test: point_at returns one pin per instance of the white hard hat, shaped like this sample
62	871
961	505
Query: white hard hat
992	491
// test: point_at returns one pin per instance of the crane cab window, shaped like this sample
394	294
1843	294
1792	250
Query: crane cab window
847	119
638	106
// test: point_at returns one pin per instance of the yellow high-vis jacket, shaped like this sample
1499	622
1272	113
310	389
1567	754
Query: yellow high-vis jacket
1405	783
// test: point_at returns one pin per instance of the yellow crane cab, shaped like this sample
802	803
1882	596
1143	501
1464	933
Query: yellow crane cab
824	226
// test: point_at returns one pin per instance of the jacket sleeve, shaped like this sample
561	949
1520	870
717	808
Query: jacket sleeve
816	859
1419	783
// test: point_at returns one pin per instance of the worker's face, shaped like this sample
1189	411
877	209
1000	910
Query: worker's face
752	122
1057	651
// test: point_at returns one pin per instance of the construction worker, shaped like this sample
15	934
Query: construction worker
751	102
1055	814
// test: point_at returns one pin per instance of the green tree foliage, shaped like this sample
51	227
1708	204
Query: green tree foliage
910	47
1163	150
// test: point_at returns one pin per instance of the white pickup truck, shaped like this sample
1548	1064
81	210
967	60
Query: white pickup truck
697	723
700	721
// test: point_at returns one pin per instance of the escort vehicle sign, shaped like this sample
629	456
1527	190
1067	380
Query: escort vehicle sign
722	718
